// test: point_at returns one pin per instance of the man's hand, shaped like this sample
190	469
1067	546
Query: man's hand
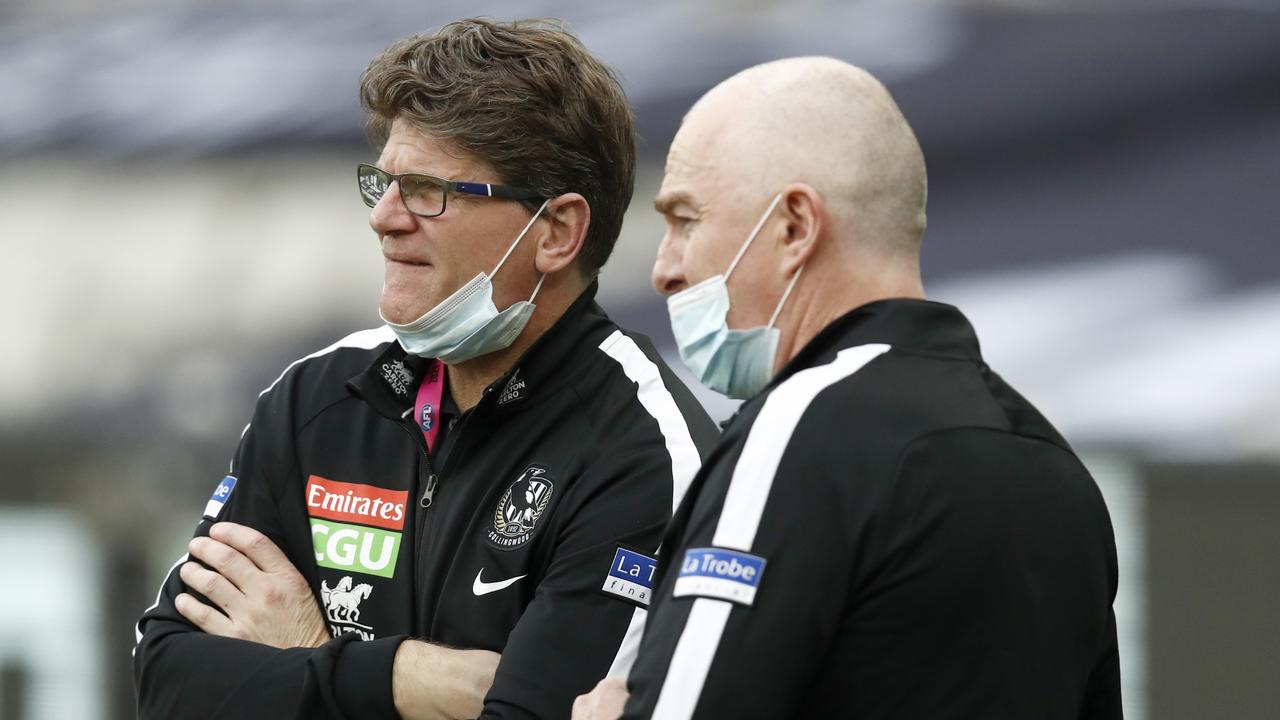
262	595
605	702
430	682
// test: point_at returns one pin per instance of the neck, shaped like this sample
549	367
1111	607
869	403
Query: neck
467	380
833	294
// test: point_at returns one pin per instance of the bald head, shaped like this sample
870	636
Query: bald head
819	121
800	165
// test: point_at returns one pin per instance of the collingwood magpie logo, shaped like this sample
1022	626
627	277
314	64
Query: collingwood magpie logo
518	510
342	606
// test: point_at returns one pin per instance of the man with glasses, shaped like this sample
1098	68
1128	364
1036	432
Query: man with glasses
490	471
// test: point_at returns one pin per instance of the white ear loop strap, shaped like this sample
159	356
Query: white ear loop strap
786	294
519	238
537	287
743	250
517	242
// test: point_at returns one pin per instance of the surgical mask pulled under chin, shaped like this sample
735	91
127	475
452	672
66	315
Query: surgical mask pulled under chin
467	324
737	363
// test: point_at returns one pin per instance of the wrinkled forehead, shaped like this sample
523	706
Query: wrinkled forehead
409	147
700	164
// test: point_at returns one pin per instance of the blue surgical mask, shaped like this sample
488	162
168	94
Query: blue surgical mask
737	363
467	324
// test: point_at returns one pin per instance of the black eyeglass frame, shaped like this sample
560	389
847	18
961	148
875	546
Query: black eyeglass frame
505	192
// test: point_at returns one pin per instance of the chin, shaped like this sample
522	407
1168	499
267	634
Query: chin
401	310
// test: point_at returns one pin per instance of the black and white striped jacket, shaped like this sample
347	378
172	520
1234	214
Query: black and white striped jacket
887	531
582	448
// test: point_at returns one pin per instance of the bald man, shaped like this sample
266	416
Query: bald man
886	529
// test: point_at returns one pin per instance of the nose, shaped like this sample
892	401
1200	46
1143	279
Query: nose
668	268
390	216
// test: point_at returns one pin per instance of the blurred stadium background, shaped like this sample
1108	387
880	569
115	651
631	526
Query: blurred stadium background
179	220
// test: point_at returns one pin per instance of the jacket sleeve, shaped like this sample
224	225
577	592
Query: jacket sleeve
182	672
573	633
569	635
1102	694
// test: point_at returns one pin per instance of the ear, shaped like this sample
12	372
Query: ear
805	213
568	217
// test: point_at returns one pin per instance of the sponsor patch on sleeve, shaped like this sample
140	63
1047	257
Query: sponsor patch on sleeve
219	497
720	574
631	577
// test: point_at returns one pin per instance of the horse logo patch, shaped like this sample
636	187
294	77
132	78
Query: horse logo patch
516	515
342	606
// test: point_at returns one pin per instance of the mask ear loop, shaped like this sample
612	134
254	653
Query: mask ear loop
786	294
511	249
750	238
519	237
537	287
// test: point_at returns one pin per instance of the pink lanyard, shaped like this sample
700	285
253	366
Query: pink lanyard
427	406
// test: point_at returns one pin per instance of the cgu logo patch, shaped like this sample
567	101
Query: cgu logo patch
342	607
350	546
516	515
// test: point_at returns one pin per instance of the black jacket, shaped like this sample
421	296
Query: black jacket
888	531
581	448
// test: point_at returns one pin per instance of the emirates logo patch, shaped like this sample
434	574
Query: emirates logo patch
516	515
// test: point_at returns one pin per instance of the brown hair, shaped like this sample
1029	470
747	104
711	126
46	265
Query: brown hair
527	98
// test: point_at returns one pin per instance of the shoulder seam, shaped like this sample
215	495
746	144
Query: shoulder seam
362	339
907	446
654	397
366	339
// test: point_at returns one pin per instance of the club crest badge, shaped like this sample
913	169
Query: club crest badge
519	508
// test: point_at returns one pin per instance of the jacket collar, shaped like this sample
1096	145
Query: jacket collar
919	327
390	384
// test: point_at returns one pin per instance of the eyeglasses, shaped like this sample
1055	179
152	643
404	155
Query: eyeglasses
425	195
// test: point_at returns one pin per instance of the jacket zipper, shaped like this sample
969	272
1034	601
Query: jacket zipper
432	478
428	480
427	476
429	494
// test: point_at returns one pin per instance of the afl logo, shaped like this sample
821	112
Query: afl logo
518	510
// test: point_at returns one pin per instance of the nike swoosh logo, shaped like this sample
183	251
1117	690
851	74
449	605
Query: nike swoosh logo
480	587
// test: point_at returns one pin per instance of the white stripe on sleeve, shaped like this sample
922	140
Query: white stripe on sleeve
137	628
744	506
685	461
657	400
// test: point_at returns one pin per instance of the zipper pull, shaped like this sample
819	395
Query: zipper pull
430	492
